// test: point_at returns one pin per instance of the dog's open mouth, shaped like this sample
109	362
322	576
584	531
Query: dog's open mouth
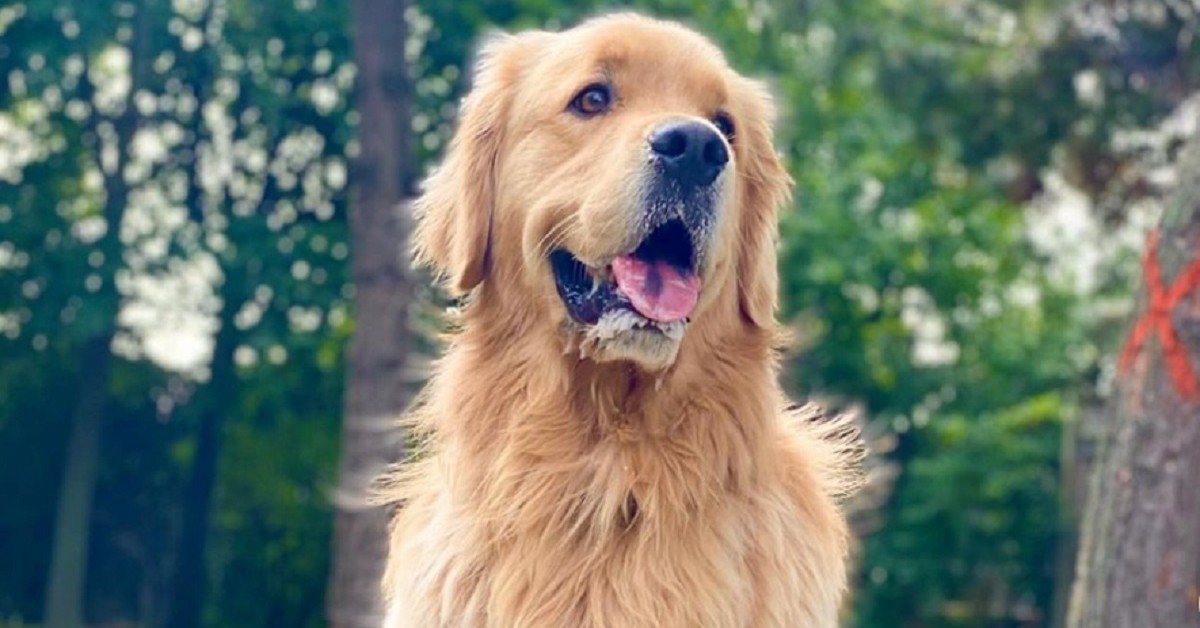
656	283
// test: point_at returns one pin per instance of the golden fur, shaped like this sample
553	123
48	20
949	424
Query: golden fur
569	478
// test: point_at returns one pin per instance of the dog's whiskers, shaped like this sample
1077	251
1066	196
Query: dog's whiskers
556	234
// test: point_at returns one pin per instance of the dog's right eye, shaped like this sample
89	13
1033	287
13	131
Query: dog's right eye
592	100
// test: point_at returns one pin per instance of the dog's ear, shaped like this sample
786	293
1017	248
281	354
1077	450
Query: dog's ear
454	211
767	187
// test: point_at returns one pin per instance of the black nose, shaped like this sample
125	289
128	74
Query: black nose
692	153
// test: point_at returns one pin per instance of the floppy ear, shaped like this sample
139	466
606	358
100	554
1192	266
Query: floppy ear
454	212
767	187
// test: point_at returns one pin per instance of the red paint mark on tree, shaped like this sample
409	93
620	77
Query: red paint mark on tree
1165	572
1158	319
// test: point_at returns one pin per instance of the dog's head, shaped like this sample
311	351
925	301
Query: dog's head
616	181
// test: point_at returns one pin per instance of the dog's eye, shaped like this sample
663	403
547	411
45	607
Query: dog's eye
724	124
592	100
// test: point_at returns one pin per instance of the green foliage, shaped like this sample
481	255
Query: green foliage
263	233
973	538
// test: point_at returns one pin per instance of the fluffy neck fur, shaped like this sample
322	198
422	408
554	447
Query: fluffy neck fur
600	446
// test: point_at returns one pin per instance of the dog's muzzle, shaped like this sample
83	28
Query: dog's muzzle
658	281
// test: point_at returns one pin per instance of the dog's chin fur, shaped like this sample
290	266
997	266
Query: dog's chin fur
622	335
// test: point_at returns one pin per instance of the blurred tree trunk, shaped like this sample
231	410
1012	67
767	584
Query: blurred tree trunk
1139	557
66	580
375	393
69	550
190	583
191	577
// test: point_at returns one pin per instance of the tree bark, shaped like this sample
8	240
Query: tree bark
375	390
1139	558
67	578
68	562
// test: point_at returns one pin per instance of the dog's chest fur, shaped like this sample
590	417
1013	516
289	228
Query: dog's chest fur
614	541
578	499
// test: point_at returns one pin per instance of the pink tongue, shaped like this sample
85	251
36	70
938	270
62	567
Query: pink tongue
656	290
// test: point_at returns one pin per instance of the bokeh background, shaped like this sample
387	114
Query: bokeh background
974	181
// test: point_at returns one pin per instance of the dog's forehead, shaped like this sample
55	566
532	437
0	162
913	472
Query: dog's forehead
644	51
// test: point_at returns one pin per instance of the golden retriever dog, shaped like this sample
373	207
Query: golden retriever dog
604	442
